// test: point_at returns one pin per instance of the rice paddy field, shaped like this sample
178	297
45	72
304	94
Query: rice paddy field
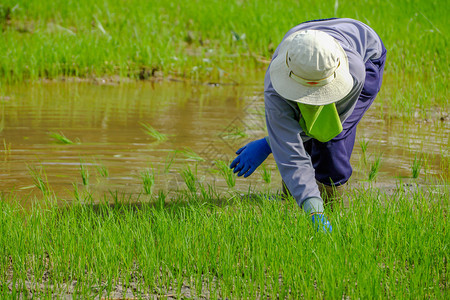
118	120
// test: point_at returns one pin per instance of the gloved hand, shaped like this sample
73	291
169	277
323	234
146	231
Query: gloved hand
321	223
250	157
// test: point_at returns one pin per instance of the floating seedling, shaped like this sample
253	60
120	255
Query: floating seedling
155	134
60	138
234	132
190	154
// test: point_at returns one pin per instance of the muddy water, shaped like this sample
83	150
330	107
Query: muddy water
203	123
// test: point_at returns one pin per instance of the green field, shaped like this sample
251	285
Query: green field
202	241
225	41
197	246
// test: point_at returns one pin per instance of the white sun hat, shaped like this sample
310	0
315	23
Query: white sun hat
311	68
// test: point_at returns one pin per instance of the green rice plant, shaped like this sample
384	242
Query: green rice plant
234	132
364	143
190	179
102	170
169	161
2	120
6	149
84	172
375	167
75	47
416	166
190	154
237	250
226	172
148	180
152	132
40	179
60	138
76	193
266	173
161	199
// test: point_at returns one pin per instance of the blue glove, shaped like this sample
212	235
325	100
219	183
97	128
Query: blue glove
321	223
250	157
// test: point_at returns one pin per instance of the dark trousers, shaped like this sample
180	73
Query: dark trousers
331	160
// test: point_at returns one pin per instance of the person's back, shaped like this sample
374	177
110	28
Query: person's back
323	77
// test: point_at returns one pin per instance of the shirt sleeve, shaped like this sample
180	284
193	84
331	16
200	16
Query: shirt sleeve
293	161
286	137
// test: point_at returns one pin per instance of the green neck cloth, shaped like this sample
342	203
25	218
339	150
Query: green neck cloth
320	122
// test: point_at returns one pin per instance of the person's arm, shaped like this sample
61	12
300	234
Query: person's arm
293	162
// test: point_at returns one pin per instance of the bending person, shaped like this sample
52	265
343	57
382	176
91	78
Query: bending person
323	77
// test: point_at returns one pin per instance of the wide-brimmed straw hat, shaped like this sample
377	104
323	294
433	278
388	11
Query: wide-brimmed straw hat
311	68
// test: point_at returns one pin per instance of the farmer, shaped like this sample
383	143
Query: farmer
323	77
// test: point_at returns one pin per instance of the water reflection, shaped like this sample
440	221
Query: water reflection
203	123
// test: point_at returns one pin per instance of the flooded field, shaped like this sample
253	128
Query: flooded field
108	145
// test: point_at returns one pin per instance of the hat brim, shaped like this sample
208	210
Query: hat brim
290	89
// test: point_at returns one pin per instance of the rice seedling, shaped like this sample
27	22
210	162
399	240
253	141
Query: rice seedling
102	170
191	155
152	132
247	249
266	173
6	149
375	167
169	161
190	179
226	172
84	172
364	144
234	132
40	179
60	138
148	180
416	166
161	199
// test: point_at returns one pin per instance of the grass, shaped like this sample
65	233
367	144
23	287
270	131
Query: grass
380	247
200	243
416	166
190	179
169	161
266	173
234	132
226	172
364	144
213	41
6	149
84	173
375	167
102	170
148	181
60	138
40	179
190	154
155	134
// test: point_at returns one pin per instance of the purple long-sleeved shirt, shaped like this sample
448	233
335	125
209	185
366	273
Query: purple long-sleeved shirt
286	137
